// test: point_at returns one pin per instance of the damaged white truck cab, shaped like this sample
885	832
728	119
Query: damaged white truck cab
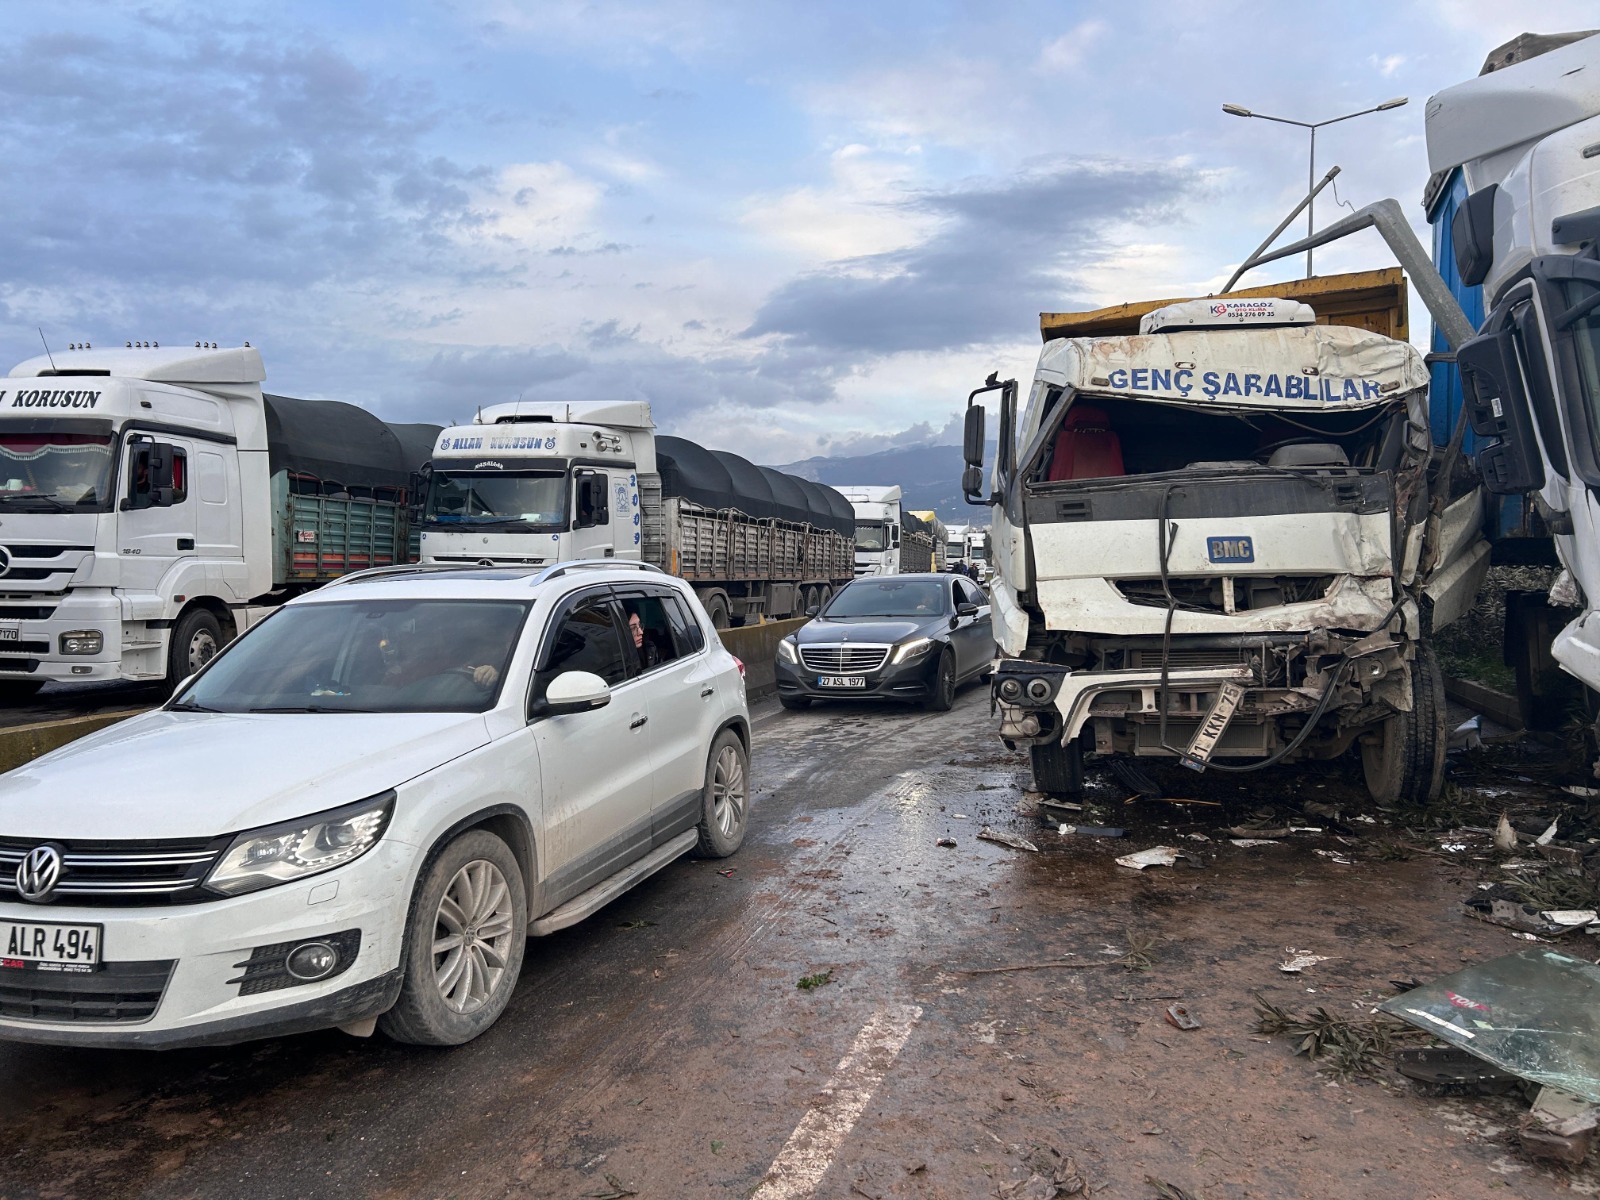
1216	539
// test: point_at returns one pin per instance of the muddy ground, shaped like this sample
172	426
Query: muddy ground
664	1047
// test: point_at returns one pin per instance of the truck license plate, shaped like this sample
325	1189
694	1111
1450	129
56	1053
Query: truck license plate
10	633
49	947
842	681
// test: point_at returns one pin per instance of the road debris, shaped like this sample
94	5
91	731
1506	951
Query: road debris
1548	836
947	842
1001	838
1168	1191
1559	1125
810	983
1468	735
1258	831
1505	837
1448	1071
1246	843
1156	856
1345	1048
615	1189
1105	831
1179	1017
1334	856
728	873
1298	960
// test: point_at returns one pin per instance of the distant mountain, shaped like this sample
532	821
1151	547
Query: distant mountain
929	477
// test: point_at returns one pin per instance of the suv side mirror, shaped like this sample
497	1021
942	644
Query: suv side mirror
575	692
813	610
966	610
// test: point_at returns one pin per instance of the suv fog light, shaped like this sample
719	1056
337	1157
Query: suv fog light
1038	690
311	961
1010	689
82	641
1029	725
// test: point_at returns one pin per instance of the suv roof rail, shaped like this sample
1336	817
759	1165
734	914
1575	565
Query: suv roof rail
401	569
557	570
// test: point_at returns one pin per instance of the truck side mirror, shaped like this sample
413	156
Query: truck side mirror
593	504
152	479
1497	407
973	438
894	537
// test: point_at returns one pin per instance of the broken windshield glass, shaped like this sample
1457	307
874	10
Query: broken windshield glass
1535	1013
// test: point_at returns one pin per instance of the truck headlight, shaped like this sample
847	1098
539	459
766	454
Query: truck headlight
263	858
82	641
787	652
914	649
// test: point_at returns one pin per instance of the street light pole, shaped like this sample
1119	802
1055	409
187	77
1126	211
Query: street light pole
1238	110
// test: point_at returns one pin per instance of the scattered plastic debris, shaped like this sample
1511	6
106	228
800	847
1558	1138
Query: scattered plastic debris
1468	735
948	843
1571	917
1248	842
1335	856
1505	837
728	873
1156	856
959	816
1109	831
1197	837
1001	838
1257	831
1583	793
1548	836
1298	960
1180	1017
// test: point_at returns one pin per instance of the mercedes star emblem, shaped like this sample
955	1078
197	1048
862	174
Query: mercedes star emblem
39	873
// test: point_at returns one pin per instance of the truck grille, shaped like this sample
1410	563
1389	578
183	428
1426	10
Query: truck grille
1204	593
117	992
119	873
843	659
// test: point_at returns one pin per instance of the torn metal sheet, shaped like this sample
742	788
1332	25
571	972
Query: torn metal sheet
1535	1013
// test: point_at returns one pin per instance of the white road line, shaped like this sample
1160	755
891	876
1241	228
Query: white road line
809	1152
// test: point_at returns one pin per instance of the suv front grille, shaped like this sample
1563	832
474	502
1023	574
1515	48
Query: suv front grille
121	873
117	992
843	659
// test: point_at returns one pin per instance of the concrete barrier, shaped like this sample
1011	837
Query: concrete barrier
757	647
23	743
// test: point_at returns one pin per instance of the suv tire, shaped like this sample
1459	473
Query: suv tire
725	799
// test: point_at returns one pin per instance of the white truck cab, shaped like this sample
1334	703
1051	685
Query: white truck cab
878	528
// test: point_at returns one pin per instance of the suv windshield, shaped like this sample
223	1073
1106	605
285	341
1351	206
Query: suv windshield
366	656
480	497
54	470
889	598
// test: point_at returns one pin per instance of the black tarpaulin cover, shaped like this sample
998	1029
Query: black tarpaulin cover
718	479
339	442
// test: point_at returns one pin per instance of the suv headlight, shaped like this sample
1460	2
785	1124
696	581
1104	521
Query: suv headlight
787	652
263	858
912	650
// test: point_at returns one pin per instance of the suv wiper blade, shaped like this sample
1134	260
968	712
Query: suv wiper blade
190	706
43	497
309	708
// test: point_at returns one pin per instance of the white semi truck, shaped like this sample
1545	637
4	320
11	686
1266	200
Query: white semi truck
544	482
1224	538
154	502
878	528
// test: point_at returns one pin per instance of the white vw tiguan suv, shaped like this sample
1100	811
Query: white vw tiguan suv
361	809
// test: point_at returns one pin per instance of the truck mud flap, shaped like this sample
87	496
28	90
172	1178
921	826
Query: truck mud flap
1205	739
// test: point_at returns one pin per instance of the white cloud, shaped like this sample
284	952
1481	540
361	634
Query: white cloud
1067	51
539	205
860	212
1387	64
950	99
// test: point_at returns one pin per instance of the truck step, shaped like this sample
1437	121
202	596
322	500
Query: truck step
607	890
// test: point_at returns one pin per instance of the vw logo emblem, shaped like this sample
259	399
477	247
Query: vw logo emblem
39	873
5	560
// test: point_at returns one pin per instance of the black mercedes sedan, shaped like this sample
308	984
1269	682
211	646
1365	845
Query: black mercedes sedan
913	638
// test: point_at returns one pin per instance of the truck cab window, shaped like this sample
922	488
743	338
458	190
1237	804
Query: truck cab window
517	498
48	471
158	475
871	535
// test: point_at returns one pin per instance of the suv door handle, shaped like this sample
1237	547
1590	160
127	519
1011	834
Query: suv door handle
708	692
638	721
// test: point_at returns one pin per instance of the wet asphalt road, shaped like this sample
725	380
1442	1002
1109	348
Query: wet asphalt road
663	1046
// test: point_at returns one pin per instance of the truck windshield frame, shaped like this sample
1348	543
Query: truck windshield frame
57	466
488	505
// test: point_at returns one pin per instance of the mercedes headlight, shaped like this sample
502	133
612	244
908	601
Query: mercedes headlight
787	652
914	649
263	858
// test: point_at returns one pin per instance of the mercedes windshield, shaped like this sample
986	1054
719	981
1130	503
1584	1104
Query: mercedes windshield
519	499
60	469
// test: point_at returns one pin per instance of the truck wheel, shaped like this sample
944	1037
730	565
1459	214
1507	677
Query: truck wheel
464	944
725	799
717	610
1403	758
195	641
1057	769
944	685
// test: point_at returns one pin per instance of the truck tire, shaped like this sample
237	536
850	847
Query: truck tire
195	641
437	1005
1403	758
717	610
1546	695
1057	769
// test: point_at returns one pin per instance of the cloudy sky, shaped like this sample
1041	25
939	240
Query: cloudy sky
794	228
